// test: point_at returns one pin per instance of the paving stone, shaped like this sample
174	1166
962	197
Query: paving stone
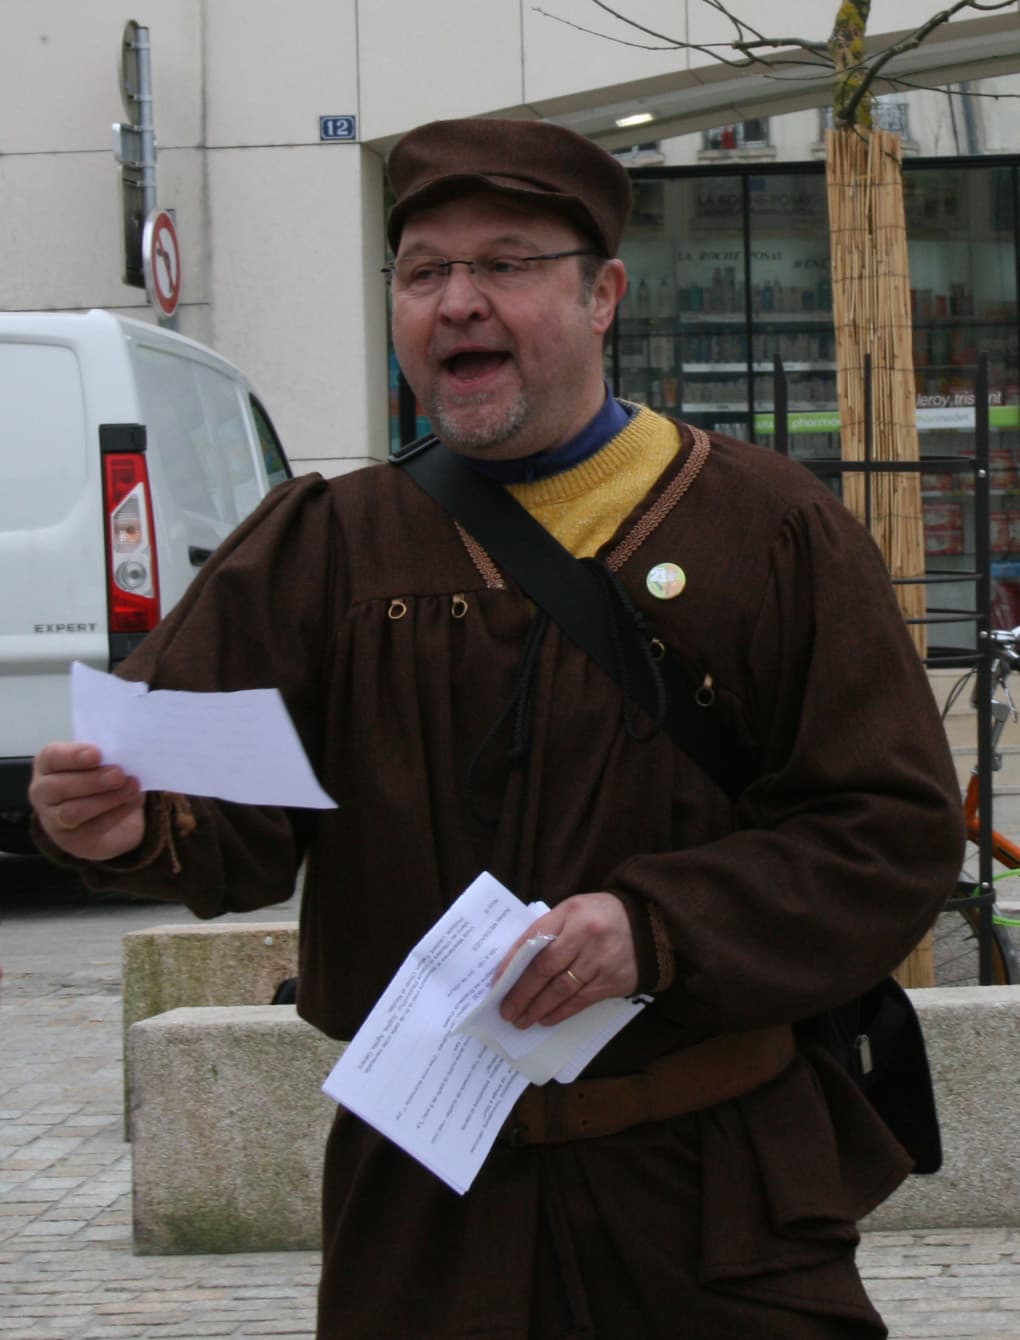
67	1271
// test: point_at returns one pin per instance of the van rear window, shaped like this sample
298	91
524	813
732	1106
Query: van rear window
197	417
276	463
43	453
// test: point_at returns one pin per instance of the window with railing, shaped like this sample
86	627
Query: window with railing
752	134
648	154
888	112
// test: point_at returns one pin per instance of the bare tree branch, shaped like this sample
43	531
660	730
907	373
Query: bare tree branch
911	42
741	25
799	43
855	70
944	90
593	32
633	23
713	50
740	43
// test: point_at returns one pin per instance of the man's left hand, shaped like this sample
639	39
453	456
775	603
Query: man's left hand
592	958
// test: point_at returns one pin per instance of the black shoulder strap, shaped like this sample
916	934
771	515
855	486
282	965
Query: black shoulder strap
573	595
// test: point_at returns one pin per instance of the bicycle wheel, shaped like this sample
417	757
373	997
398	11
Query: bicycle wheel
956	949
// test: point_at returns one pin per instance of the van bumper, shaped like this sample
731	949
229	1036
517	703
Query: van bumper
15	775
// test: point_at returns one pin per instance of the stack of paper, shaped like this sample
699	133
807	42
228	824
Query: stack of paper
435	1067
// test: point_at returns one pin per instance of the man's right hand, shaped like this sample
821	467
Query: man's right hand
89	809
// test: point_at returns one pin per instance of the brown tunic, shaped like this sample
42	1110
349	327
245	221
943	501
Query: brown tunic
819	881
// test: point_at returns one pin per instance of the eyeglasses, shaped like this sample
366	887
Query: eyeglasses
421	276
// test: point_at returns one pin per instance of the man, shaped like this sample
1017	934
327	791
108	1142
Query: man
460	731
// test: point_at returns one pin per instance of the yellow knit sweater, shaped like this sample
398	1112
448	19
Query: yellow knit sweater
583	507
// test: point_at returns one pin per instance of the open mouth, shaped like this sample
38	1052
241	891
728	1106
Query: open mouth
475	365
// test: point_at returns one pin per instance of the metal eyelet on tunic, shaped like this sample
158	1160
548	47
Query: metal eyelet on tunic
397	609
657	648
458	606
705	695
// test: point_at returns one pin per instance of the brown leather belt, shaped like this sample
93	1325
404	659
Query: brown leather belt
698	1077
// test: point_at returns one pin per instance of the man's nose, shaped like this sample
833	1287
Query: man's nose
461	298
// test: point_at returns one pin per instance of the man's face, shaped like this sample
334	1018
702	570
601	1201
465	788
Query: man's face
503	373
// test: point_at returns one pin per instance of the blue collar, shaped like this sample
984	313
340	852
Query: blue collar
611	419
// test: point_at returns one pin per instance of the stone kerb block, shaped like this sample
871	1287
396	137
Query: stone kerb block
971	1034
228	1128
234	963
229	1124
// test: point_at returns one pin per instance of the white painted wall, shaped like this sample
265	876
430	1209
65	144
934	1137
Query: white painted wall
437	58
281	235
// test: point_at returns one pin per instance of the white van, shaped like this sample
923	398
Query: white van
127	453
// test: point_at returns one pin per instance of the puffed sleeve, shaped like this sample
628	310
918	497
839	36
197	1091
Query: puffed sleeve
850	838
257	615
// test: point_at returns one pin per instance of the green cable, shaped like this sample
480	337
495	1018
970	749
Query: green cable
998	919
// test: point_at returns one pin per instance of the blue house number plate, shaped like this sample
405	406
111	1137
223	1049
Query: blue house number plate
338	127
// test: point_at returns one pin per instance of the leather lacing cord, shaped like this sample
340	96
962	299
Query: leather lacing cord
616	602
519	707
615	598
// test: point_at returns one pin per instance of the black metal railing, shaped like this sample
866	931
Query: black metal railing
981	654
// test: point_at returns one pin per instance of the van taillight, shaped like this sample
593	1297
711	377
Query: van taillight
132	578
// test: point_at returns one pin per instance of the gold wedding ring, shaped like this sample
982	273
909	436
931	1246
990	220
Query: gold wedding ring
574	978
61	821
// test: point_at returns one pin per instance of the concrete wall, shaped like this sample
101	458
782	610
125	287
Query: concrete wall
166	967
971	1036
228	1128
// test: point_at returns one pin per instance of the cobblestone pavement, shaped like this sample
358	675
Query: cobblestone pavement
67	1271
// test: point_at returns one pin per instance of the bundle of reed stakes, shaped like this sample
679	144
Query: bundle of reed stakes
871	310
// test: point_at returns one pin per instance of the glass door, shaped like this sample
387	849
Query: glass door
680	343
961	229
791	310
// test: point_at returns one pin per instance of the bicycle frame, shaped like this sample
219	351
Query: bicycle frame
1003	850
977	903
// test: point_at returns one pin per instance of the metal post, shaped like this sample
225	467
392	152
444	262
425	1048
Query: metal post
869	444
780	407
142	97
134	147
983	587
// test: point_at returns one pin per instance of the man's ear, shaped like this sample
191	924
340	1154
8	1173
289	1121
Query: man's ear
607	294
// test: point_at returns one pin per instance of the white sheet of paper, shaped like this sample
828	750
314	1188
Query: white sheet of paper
558	1053
440	1095
439	1092
235	746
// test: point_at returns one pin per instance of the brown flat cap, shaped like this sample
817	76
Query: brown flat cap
535	161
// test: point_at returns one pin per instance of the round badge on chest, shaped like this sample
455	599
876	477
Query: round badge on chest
666	581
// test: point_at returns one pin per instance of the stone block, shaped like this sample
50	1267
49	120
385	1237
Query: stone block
971	1033
228	1124
228	1130
234	963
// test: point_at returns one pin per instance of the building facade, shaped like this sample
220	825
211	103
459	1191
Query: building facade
281	225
